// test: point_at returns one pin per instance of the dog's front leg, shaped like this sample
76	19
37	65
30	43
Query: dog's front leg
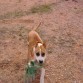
42	75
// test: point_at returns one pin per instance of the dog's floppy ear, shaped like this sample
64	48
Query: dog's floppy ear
44	44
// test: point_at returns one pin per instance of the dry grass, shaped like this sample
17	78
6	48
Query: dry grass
14	14
41	9
20	13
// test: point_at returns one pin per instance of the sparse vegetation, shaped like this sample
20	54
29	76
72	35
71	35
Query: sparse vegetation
20	33
41	9
20	13
14	14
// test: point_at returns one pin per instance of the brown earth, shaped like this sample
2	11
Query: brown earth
62	28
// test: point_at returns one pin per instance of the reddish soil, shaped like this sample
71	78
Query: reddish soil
62	28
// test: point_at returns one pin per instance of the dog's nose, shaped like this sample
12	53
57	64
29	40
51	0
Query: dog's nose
40	61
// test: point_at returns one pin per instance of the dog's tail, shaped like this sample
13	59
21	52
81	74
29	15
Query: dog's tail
36	26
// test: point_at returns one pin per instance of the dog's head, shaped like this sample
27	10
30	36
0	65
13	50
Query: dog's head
40	52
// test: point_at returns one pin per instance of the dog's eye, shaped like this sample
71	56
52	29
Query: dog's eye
37	54
43	54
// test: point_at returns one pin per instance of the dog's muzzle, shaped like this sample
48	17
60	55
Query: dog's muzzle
40	61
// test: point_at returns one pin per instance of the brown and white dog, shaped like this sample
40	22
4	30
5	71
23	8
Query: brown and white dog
36	47
37	50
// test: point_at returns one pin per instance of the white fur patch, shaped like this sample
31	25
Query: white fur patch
39	44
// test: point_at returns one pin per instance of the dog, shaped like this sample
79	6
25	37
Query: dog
36	47
37	50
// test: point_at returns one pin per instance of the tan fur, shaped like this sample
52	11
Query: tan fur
34	39
36	45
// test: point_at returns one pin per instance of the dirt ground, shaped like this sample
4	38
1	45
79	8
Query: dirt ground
61	28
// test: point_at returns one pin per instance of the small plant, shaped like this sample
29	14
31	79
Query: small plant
41	9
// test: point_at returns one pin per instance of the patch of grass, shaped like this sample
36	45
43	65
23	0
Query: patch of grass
41	9
20	13
12	15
